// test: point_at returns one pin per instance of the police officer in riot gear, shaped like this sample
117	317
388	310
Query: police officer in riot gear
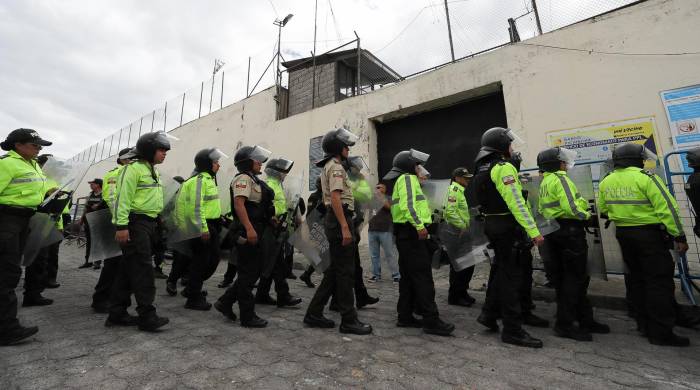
100	299
510	228
198	207
252	202
137	206
411	215
276	170
22	189
457	214
314	202
338	198
648	224
566	249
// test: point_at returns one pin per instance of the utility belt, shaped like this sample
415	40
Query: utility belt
133	217
656	226
566	222
15	211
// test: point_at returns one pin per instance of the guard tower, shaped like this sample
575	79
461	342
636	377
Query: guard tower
336	78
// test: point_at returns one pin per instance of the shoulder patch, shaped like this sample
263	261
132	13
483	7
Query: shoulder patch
337	173
508	180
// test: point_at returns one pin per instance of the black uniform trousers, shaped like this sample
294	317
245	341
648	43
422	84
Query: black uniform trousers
103	288
459	282
180	267
359	286
88	239
651	266
231	271
567	253
13	237
205	259
52	261
504	294
250	262
416	287
279	274
339	278
136	273
35	274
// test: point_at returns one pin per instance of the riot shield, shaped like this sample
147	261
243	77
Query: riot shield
311	240
435	192
531	184
102	232
293	186
67	175
42	233
181	221
464	247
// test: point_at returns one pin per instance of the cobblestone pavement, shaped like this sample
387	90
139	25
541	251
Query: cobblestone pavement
202	350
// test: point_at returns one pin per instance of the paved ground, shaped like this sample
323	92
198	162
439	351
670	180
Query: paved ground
201	350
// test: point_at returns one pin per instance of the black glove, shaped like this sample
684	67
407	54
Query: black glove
593	222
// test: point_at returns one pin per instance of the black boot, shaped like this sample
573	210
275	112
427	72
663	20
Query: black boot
672	340
410	322
125	319
595	327
52	284
158	273
461	301
265	300
306	278
224	283
17	334
199	303
439	327
226	310
318	322
355	327
288	302
87	264
366	300
100	307
488	321
572	332
152	322
171	288
35	300
533	320
97	264
522	339
254	322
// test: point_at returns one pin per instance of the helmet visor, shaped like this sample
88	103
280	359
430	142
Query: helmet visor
515	139
217	154
568	156
648	155
357	162
421	172
260	154
419	157
162	136
346	137
281	164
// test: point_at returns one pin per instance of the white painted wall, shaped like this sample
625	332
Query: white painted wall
544	89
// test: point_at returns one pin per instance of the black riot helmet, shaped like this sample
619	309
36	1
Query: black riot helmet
278	167
244	157
693	157
148	143
405	162
631	155
43	158
333	143
497	140
205	158
549	160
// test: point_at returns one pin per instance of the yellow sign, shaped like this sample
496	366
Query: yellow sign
595	143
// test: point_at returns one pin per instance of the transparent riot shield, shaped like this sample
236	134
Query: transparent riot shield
465	247
311	240
293	189
531	184
102	232
66	175
42	233
181	216
435	192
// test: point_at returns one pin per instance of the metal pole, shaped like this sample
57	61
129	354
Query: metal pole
153	119
201	92
102	152
537	17
247	83
165	116
119	142
449	31
182	109
111	141
359	68
128	139
278	80
140	124
221	105
313	71
213	78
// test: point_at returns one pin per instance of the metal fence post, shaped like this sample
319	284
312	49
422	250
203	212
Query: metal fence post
140	124
111	141
120	140
201	91
359	67
182	109
165	117
153	119
222	90
128	139
102	152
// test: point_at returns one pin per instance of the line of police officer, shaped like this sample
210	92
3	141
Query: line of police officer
646	217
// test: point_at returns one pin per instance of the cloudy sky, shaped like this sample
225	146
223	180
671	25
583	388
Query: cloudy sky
77	71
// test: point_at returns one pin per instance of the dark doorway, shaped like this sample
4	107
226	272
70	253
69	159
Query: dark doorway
452	135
